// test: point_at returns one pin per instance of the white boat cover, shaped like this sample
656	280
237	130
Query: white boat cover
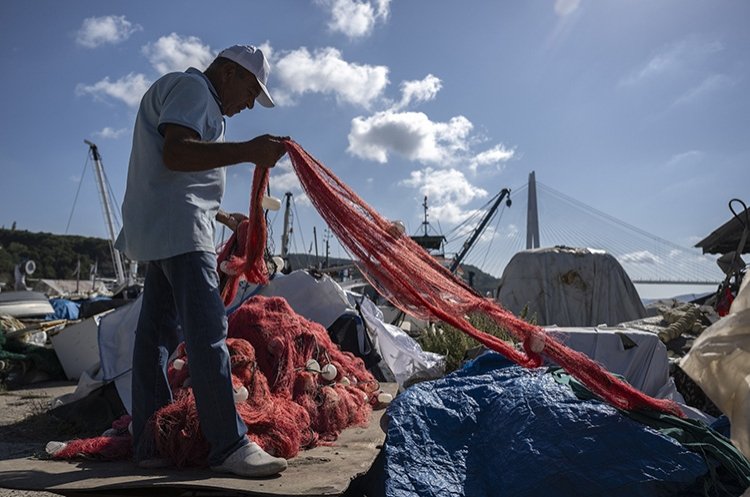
719	362
116	338
638	356
569	287
116	334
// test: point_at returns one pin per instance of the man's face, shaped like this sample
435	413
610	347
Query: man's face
240	90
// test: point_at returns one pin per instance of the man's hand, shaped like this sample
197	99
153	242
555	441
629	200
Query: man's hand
232	220
267	150
185	152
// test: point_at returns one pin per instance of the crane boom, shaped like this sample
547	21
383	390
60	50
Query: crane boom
505	192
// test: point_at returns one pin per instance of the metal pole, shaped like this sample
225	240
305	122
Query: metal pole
315	239
285	233
532	216
104	196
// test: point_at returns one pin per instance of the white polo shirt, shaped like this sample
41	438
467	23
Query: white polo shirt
167	213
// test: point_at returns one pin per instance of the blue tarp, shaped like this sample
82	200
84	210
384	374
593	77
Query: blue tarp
64	309
494	429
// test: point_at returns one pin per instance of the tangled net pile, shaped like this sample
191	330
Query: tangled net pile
294	389
285	400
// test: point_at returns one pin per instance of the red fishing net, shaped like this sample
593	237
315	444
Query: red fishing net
242	255
294	389
417	284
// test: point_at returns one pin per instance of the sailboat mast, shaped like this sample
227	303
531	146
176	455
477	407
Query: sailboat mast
287	225
107	206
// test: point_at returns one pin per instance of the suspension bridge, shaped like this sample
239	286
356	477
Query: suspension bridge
541	216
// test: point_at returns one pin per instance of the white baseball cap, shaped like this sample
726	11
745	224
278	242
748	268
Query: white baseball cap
252	59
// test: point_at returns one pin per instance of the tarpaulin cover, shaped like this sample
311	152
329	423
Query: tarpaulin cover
495	429
64	309
569	287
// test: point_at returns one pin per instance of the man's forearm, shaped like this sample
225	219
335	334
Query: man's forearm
194	155
183	151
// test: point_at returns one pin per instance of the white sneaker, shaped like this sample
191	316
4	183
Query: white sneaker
250	460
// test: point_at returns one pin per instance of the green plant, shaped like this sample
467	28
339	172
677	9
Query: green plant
453	343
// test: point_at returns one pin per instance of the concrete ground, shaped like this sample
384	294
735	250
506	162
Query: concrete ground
25	428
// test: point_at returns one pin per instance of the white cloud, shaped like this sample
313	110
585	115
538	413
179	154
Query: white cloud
128	89
325	71
283	179
419	91
566	7
710	84
640	257
177	53
671	57
448	191
355	18
96	31
267	50
410	134
684	158
496	155
111	133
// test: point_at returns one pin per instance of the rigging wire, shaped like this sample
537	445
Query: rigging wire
301	234
661	260
115	212
476	213
494	233
78	190
606	216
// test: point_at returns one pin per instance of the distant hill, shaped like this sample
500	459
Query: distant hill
56	256
483	283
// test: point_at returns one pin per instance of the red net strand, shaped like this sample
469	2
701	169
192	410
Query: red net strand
420	286
242	255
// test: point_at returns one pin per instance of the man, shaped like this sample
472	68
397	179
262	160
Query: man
175	185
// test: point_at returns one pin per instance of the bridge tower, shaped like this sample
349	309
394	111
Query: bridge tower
532	216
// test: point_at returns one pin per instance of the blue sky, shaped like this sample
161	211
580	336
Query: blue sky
638	108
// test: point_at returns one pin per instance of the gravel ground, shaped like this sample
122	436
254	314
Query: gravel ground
25	426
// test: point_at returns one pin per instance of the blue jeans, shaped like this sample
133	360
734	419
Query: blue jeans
184	289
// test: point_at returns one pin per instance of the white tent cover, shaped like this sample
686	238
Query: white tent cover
569	287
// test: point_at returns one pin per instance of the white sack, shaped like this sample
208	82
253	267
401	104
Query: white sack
719	362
